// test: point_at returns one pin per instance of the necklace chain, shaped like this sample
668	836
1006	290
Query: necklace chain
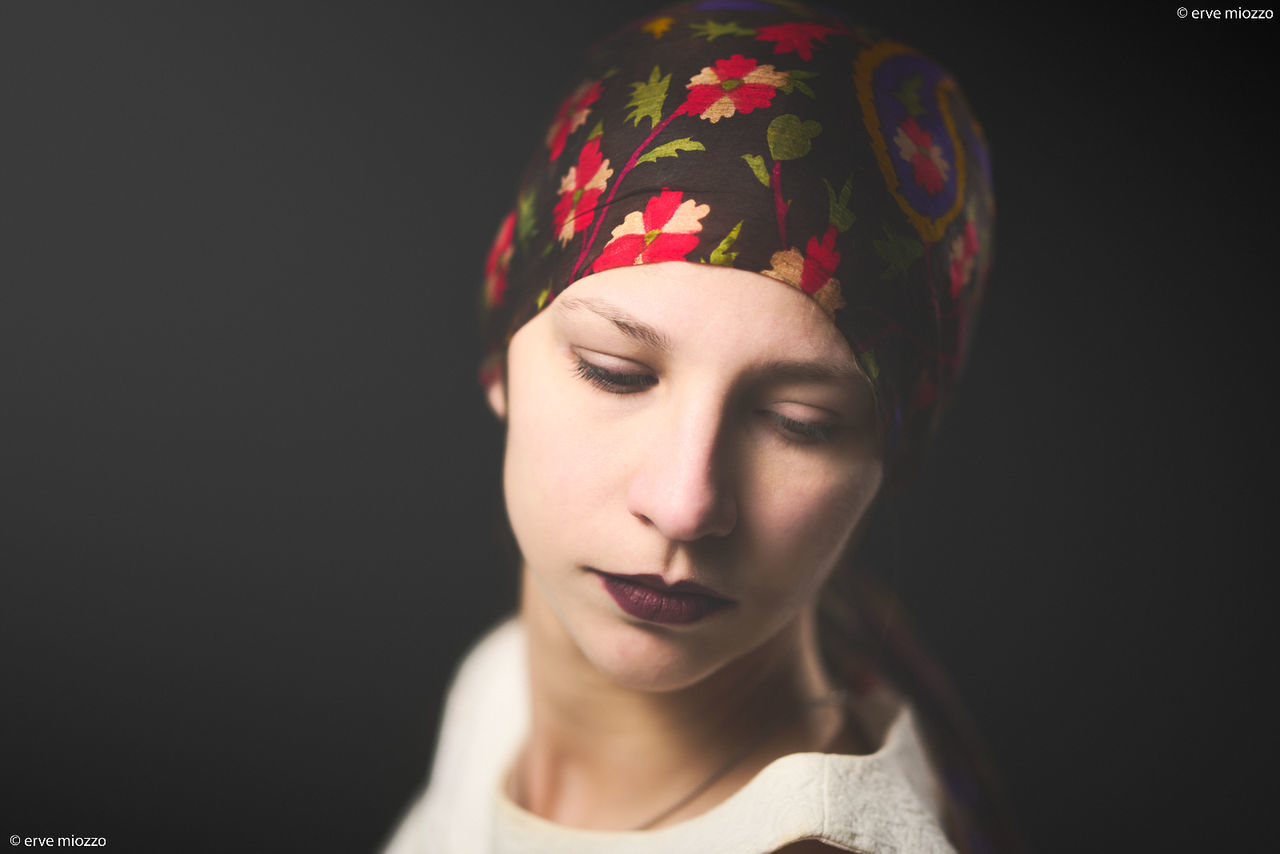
836	697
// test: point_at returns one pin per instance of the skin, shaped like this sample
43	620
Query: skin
698	423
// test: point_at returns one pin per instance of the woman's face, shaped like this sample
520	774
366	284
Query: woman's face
689	449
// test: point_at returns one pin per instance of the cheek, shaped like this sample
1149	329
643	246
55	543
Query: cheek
803	523
558	472
554	454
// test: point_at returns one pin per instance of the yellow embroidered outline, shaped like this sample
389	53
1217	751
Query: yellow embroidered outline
863	69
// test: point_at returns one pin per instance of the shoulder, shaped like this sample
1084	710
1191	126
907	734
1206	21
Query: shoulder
485	708
889	799
490	671
501	647
489	682
480	728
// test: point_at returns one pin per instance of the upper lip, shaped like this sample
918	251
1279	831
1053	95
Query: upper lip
657	582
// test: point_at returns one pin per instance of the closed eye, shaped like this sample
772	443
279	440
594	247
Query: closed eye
614	382
802	432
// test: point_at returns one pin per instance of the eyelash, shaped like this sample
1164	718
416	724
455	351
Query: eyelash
612	381
797	432
802	432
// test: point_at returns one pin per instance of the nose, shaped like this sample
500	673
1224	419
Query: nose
681	487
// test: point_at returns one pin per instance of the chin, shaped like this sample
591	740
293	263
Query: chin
643	658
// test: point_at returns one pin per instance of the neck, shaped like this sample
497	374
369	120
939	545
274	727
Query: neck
604	756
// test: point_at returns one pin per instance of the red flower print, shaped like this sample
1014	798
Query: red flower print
579	190
796	37
666	231
813	272
916	146
964	253
733	85
497	262
571	115
820	262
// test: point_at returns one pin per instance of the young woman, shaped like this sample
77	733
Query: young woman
724	310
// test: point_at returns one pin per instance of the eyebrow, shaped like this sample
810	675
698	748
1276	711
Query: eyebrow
786	370
775	370
627	325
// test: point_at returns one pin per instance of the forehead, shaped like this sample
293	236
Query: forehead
689	309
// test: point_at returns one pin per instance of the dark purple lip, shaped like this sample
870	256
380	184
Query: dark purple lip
649	597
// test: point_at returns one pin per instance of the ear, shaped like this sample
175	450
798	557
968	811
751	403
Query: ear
496	393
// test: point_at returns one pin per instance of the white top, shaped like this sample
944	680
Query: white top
883	802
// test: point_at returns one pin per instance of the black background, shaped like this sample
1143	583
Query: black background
247	482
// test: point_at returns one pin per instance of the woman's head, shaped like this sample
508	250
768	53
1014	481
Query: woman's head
725	308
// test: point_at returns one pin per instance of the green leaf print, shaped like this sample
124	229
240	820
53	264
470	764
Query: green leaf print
790	138
721	254
795	81
908	94
671	149
647	97
756	162
838	206
526	219
712	30
898	253
870	365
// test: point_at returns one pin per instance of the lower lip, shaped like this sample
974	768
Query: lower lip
659	606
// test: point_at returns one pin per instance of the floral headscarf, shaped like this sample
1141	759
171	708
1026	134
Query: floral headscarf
780	139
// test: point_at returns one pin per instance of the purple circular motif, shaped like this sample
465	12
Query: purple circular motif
906	106
921	149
